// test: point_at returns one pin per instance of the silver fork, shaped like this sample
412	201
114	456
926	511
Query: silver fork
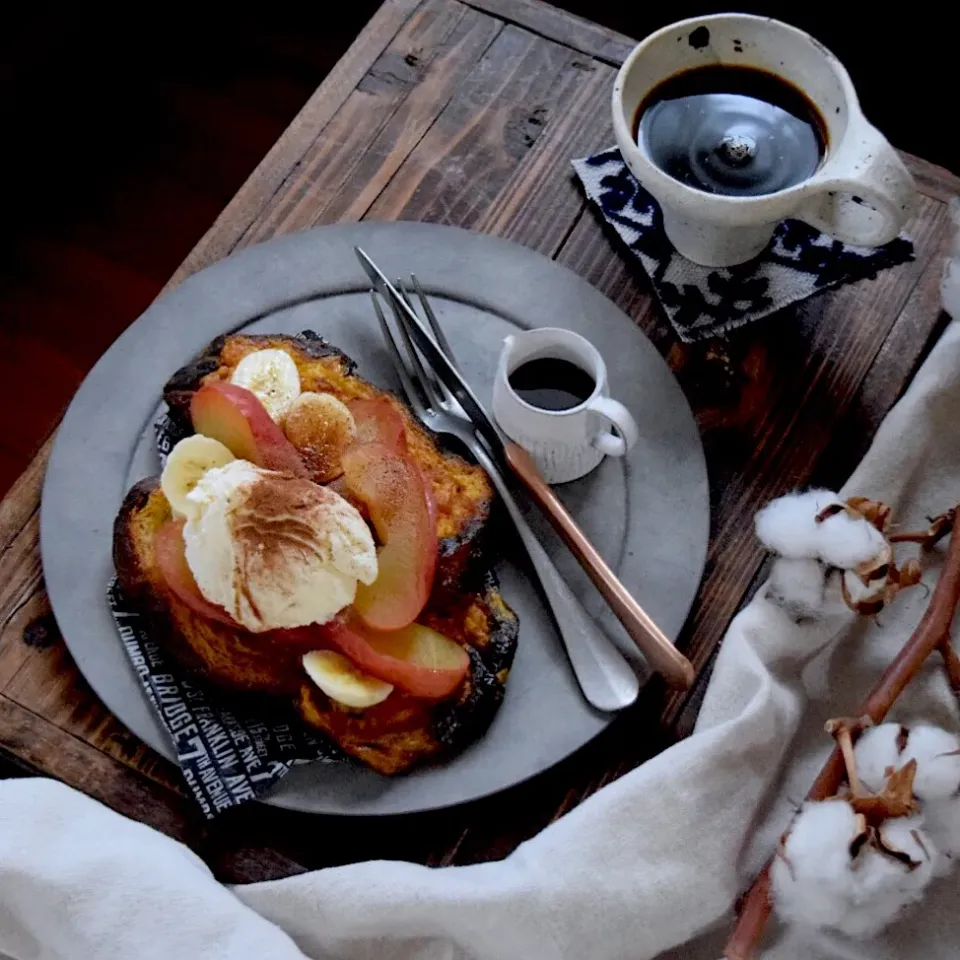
606	679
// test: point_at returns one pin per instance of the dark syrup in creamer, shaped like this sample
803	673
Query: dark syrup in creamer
732	130
552	384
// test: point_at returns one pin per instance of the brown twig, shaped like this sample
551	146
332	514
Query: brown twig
952	662
931	634
939	527
843	730
910	536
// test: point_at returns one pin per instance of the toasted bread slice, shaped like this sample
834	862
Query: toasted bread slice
403	731
232	658
462	491
390	737
464	604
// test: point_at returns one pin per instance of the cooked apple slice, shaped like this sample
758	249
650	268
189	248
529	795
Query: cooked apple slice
379	421
340	679
171	554
401	508
235	417
416	659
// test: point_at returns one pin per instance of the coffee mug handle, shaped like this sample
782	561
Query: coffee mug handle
869	174
617	414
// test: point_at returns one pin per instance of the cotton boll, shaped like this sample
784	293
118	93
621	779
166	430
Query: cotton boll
884	886
798	585
788	524
937	753
810	881
876	751
824	879
846	541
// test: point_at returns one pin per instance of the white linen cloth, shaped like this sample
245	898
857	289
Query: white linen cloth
651	861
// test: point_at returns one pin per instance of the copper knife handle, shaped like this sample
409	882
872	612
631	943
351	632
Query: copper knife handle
662	655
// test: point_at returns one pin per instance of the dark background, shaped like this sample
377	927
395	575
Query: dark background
127	129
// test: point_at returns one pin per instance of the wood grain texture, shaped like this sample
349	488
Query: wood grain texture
486	131
468	114
383	120
598	43
541	202
933	180
21	592
23	498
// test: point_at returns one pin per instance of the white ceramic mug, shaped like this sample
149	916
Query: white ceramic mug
861	193
565	444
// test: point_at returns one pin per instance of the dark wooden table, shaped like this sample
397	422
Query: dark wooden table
468	113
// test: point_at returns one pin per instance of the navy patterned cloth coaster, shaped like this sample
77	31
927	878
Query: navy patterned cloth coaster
702	302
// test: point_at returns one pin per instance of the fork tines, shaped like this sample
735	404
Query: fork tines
419	382
404	372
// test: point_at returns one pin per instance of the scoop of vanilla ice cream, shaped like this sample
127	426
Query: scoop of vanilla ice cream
273	550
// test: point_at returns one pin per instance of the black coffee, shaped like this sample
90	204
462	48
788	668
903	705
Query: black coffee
551	384
731	130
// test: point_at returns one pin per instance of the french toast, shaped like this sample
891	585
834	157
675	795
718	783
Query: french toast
461	490
464	605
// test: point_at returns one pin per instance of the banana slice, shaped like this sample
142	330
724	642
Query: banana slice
340	680
189	460
321	427
272	377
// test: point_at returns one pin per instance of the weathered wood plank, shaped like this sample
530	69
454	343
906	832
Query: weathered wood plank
611	47
505	104
23	498
932	180
599	43
22	597
383	120
540	203
229	228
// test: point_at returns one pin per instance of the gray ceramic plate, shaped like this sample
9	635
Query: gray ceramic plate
648	514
